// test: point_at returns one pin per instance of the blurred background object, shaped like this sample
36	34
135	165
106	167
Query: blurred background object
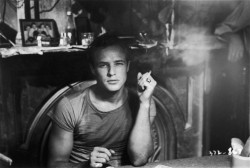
5	161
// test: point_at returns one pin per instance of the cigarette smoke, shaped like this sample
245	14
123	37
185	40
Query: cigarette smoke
194	44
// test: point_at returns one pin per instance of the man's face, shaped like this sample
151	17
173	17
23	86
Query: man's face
110	68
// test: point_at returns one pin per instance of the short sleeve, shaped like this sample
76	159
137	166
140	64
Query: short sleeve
63	115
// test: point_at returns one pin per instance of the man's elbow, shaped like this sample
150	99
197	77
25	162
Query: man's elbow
139	161
140	156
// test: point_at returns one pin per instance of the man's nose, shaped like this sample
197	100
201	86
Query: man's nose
111	71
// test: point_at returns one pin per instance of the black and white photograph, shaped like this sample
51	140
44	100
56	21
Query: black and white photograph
124	83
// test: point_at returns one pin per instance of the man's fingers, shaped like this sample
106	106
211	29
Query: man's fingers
104	156
103	150
99	156
100	160
139	75
147	75
143	78
95	165
150	82
145	81
96	160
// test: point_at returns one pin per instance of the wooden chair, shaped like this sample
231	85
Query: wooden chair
164	128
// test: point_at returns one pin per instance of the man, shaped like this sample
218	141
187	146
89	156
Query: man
98	126
33	31
235	29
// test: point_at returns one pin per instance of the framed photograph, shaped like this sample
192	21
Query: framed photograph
44	29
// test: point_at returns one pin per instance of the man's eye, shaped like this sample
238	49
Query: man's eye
102	65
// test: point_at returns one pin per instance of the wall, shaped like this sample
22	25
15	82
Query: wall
119	15
10	14
54	9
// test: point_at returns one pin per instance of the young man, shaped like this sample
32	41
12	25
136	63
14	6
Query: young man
102	125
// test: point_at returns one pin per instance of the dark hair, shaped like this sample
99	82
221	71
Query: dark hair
25	27
47	25
104	41
41	25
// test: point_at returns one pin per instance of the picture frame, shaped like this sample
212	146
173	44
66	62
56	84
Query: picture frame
32	28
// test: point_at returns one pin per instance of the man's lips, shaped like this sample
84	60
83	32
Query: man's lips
113	81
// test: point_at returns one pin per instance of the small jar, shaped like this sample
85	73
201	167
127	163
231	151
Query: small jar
87	38
39	41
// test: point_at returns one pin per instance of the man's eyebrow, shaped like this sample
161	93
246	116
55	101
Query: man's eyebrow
105	62
120	61
102	62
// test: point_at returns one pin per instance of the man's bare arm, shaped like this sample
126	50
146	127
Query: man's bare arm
60	146
140	146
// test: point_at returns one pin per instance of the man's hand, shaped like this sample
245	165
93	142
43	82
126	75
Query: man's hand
99	156
235	48
146	85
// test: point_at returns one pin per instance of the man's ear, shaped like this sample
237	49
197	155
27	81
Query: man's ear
128	66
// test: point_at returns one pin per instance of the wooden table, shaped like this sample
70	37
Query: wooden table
220	161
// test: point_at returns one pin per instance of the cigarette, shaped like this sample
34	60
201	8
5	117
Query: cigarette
5	159
149	73
112	151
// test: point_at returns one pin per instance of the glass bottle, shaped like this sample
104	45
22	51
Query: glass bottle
63	39
70	29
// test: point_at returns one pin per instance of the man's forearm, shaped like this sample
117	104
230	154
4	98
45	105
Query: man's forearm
140	145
